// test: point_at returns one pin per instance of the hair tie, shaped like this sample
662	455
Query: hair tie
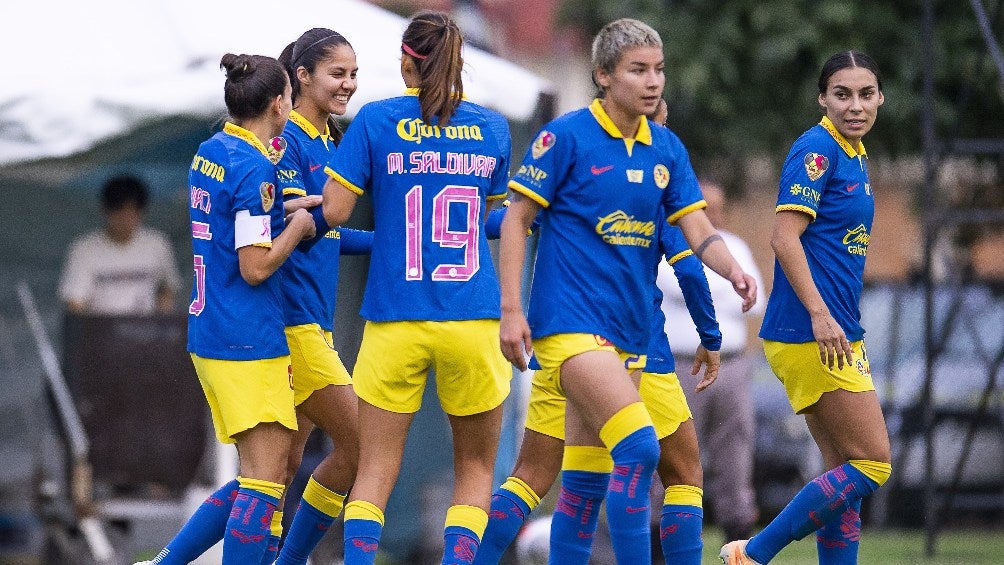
410	51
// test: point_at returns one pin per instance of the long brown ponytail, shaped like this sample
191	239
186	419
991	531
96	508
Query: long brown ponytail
434	41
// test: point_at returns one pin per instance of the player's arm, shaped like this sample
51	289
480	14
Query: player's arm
514	332
787	245
710	248
696	292
258	262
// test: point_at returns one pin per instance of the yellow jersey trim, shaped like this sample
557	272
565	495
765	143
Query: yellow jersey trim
796	208
699	205
842	141
513	185
680	255
291	191
341	180
415	91
241	133
495	197
642	135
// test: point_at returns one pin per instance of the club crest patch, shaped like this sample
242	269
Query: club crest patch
543	142
276	149
661	176
267	191
815	165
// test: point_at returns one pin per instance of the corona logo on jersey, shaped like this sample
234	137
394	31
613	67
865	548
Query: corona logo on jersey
856	240
543	142
619	228
416	130
815	165
267	191
661	176
208	168
806	193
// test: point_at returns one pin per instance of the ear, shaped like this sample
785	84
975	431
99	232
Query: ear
276	106
603	78
881	98
302	75
822	101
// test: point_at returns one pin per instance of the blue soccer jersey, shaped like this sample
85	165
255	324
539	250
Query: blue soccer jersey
824	177
430	187
310	278
601	195
689	272
232	185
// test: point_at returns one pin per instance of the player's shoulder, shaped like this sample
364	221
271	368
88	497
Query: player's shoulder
815	139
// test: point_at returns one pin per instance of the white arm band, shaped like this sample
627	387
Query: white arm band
251	230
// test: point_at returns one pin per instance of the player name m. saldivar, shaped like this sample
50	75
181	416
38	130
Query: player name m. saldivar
442	162
619	228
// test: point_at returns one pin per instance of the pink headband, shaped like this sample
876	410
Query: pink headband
410	51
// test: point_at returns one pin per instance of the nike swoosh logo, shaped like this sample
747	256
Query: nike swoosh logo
315	167
600	170
851	187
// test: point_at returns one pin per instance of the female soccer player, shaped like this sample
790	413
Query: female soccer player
679	467
602	177
811	329
235	328
430	162
322	69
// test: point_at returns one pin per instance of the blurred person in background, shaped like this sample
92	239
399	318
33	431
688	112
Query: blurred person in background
724	413
124	268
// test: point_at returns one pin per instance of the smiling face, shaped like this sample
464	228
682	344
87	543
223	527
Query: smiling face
851	102
328	89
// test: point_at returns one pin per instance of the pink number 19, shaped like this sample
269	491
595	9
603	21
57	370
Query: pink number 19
441	232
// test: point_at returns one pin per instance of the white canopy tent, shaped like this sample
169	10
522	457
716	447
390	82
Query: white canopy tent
77	73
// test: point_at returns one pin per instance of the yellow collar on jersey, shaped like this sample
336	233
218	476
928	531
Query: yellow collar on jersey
414	92
643	135
237	131
842	141
308	128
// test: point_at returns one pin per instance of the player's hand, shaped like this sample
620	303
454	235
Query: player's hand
833	345
305	202
745	286
711	360
514	339
301	221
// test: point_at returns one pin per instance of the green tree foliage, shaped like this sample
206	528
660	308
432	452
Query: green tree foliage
742	74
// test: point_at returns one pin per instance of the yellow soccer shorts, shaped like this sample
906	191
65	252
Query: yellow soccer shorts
660	392
664	399
394	359
546	407
314	361
243	394
805	377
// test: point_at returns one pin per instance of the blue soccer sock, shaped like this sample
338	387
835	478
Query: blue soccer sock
274	539
203	530
317	511
822	500
837	541
249	526
462	534
680	525
363	527
511	504
585	476
635	450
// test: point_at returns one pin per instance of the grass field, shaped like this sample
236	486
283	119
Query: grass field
893	547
